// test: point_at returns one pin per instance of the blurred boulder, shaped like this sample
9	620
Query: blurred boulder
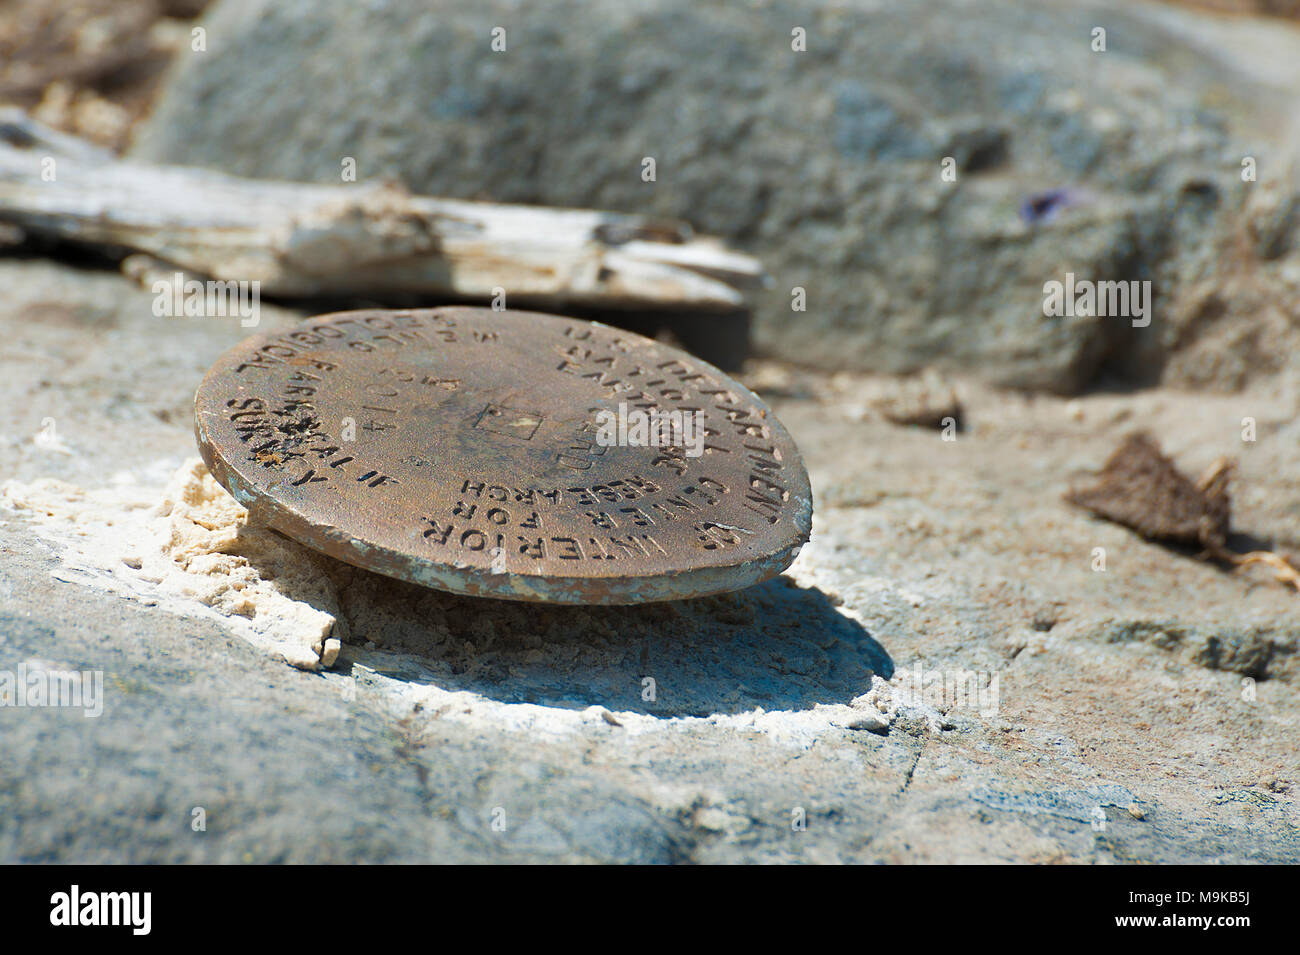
1120	165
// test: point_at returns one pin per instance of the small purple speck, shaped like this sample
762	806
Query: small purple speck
1046	206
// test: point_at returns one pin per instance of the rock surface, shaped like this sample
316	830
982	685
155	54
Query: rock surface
1144	713
826	163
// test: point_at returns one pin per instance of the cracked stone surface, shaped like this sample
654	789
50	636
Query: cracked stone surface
1142	713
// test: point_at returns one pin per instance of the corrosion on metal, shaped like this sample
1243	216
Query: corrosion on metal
457	448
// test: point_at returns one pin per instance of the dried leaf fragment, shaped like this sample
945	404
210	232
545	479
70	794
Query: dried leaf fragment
1141	489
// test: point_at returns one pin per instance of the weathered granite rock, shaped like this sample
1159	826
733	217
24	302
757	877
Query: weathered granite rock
452	729
827	162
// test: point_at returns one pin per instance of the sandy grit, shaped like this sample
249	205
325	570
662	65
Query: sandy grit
189	551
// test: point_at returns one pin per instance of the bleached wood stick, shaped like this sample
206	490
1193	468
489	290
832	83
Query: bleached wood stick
305	240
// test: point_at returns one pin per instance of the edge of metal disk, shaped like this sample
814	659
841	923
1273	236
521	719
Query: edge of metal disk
471	581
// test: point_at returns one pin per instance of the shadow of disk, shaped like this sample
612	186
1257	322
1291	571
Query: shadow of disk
777	646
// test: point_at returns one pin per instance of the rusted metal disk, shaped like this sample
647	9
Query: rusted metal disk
469	450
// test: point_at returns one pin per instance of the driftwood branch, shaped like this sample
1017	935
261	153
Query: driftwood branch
313	240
